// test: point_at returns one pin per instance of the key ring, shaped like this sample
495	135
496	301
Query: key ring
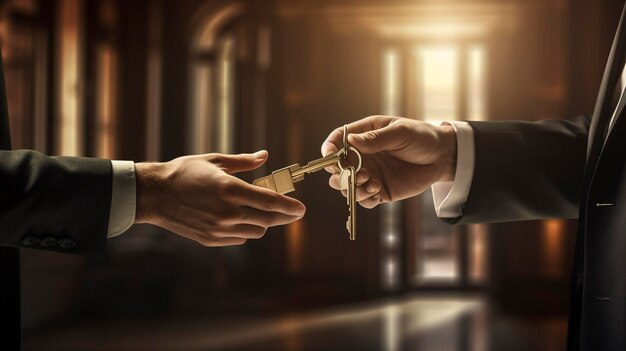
346	148
358	154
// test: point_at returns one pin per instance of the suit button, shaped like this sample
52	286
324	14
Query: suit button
48	241
30	240
67	243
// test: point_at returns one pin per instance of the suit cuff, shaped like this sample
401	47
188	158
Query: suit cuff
123	198
450	197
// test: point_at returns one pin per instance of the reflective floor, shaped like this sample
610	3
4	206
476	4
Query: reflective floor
408	323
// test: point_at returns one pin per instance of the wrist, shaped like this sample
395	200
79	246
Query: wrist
448	157
149	184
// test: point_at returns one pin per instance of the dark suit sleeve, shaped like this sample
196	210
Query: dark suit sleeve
527	170
54	203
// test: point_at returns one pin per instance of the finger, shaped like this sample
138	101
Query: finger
265	200
334	141
373	186
219	242
388	138
361	194
370	202
362	176
334	182
332	169
370	189
200	236
265	219
243	231
241	162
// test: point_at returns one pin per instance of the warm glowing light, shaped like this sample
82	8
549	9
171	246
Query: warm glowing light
391	332
202	131
213	83
477	238
391	270
439	269
433	30
69	90
476	84
294	246
410	316
391	239
552	237
439	82
437	260
106	102
226	83
391	82
389	227
207	36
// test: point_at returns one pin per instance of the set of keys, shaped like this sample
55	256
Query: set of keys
282	181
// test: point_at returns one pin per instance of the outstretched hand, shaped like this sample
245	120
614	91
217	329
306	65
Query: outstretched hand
198	197
401	157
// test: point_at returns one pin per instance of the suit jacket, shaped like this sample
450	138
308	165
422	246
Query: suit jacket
50	203
567	169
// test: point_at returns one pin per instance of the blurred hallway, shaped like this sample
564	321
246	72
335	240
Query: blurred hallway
415	322
156	79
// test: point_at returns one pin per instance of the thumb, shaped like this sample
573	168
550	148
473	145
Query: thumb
379	140
243	162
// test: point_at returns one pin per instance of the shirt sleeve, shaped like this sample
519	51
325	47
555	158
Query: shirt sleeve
450	197
123	198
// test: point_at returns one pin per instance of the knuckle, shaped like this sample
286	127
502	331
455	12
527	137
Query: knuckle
270	204
218	222
223	217
226	186
215	158
217	219
404	128
372	135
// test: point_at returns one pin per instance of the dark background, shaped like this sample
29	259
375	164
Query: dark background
156	79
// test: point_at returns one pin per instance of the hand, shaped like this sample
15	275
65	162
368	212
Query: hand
197	198
401	157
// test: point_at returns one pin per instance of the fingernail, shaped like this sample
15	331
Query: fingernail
301	211
260	154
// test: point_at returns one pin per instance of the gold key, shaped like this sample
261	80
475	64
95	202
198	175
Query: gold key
351	196
347	180
282	181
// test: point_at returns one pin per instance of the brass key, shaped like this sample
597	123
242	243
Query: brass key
282	181
347	180
350	184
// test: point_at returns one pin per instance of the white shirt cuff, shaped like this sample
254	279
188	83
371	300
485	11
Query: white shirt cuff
123	198
450	197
